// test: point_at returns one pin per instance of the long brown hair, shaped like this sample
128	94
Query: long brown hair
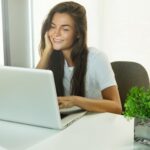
78	54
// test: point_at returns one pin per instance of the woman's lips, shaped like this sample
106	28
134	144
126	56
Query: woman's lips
57	40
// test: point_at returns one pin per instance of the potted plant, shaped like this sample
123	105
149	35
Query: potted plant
137	105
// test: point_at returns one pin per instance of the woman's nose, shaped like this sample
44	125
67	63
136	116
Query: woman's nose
57	32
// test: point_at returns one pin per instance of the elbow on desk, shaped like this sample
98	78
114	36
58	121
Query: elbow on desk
118	109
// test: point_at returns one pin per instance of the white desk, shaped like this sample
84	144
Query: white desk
103	131
15	136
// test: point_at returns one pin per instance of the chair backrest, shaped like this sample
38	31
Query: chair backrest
129	74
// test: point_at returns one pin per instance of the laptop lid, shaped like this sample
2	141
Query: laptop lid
29	96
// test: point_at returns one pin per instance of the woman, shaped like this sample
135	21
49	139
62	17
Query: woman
83	76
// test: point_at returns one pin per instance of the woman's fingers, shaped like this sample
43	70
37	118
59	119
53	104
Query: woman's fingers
64	102
48	44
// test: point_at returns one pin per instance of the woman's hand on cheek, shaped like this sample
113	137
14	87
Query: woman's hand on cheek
48	43
66	101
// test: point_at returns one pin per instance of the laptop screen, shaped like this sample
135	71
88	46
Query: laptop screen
29	96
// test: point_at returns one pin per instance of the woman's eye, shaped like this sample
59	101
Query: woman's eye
66	29
52	27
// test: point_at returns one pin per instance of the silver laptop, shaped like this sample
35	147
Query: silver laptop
29	96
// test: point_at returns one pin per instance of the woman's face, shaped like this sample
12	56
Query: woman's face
62	31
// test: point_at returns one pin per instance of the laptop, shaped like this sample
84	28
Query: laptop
29	96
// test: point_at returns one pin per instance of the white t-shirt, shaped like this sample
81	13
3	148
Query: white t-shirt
99	74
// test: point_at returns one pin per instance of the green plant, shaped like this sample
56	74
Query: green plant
137	103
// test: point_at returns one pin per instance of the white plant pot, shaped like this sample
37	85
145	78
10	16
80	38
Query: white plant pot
142	131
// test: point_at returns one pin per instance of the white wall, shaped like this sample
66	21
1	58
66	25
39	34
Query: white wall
126	29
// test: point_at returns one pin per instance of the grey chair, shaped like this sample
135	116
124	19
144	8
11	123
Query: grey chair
129	74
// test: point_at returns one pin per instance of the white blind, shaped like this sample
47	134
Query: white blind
127	30
1	38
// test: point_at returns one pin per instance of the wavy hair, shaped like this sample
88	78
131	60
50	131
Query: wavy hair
79	51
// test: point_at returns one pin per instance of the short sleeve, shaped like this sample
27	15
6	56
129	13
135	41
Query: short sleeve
104	74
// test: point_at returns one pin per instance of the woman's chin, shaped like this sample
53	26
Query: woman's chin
56	48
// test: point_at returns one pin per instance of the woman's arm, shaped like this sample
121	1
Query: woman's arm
46	53
110	102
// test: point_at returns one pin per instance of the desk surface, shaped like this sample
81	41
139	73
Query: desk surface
92	132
